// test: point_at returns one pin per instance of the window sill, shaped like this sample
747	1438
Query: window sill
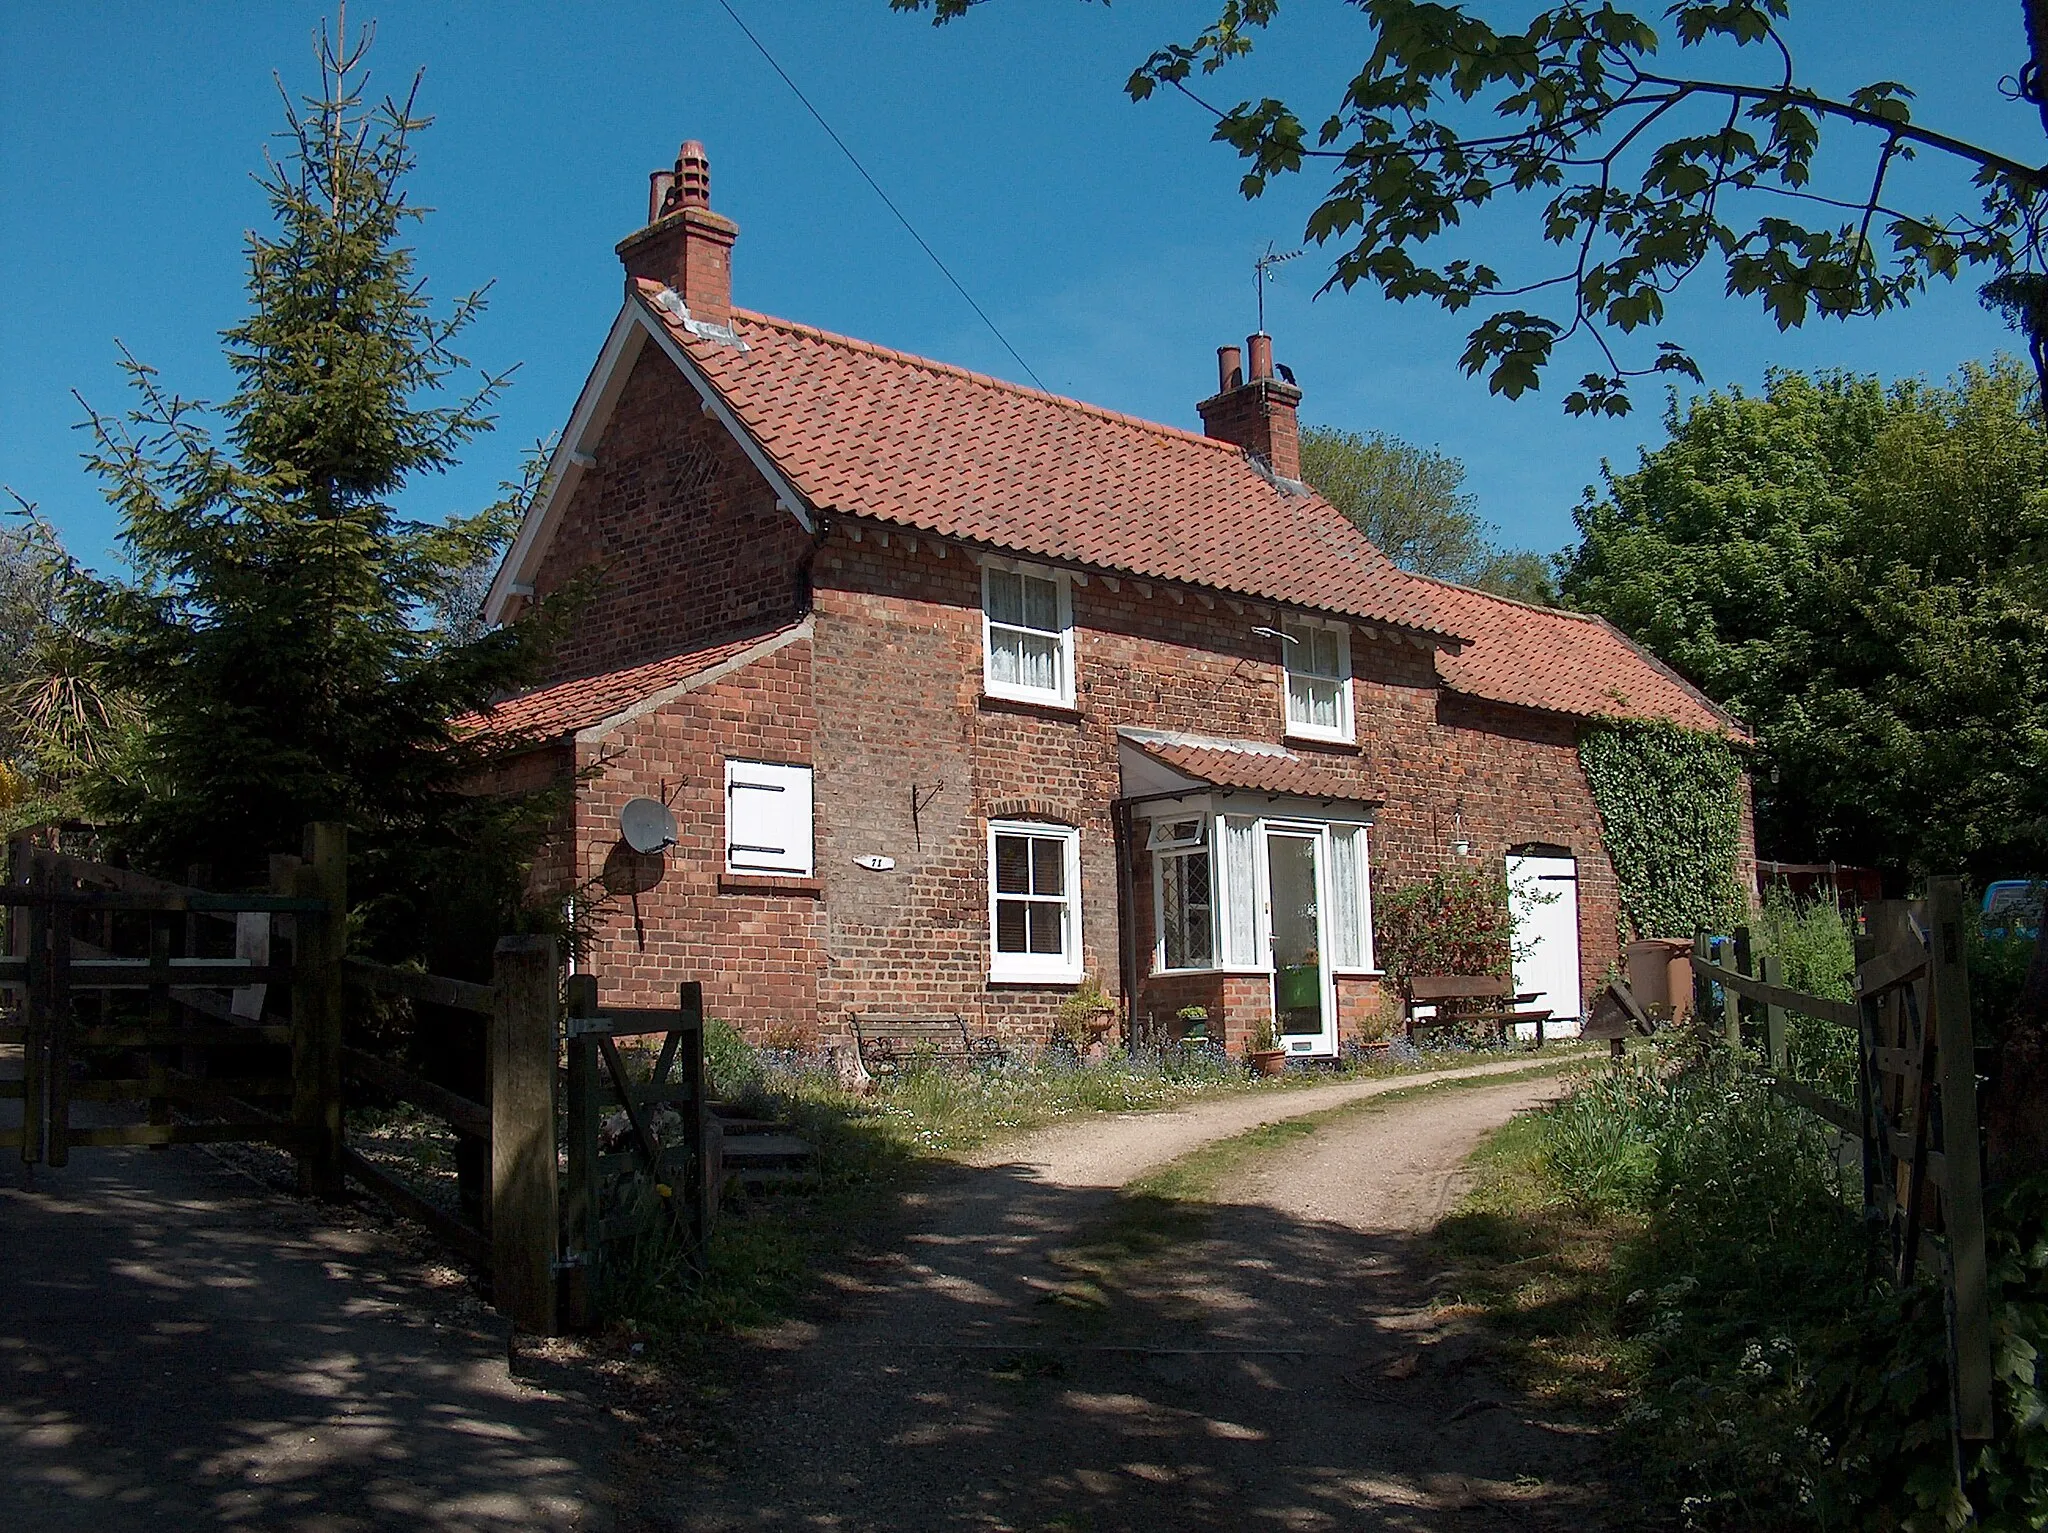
1001	702
770	883
1344	744
1036	981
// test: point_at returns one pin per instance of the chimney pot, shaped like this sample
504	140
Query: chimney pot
1253	409
686	247
1229	368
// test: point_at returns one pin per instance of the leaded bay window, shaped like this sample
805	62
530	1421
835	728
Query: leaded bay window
1034	875
1187	910
1318	662
1027	634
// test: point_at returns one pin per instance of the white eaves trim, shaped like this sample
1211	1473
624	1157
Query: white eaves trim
591	734
574	453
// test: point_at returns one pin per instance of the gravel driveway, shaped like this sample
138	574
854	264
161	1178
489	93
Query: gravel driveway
1279	1369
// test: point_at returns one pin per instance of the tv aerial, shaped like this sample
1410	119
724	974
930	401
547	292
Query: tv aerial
1262	270
647	825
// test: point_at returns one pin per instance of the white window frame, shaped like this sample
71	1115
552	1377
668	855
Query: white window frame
1062	694
770	776
1363	828
1159	862
1038	968
1292	627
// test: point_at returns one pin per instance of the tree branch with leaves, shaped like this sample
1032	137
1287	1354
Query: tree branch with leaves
1641	176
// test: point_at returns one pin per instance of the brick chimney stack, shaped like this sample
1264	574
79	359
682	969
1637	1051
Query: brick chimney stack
1253	409
685	245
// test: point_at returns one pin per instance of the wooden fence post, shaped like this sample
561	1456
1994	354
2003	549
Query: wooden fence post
702	1129
1702	987
317	1009
1735	1004
1962	1191
1774	1016
524	1224
579	1213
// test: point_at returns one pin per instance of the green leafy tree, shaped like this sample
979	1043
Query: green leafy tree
60	718
1861	573
1411	502
278	631
1642	165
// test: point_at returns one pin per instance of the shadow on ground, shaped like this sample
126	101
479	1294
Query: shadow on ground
180	1349
1250	1370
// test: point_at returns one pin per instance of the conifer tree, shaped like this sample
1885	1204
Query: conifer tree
277	630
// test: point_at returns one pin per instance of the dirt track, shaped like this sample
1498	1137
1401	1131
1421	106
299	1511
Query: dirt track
1280	1368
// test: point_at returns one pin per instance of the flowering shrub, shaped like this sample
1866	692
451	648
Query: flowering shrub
1453	922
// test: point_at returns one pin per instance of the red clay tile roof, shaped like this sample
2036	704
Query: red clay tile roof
567	706
1269	771
1564	662
865	431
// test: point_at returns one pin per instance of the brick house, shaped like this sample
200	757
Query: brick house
960	692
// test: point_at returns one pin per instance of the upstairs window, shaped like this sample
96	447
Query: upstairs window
1027	634
768	819
1318	661
1034	881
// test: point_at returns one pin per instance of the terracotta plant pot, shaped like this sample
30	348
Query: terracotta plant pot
1268	1061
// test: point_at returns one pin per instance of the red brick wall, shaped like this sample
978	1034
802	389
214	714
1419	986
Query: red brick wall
899	703
757	952
885	701
685	532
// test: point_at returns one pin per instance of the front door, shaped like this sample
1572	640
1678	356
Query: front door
1302	1010
1543	898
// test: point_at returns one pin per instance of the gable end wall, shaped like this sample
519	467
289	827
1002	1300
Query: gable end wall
683	527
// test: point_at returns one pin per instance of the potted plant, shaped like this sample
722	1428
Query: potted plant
1087	1015
1194	1024
1264	1053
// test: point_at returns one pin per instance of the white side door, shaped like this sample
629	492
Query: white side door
1543	898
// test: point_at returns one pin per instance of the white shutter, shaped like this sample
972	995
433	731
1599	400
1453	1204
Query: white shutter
767	818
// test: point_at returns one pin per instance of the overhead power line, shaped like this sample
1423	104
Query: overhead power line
854	160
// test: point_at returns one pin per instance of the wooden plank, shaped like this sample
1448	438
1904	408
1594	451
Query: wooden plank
437	989
630	1021
139	1036
1451	987
470	1117
1775	1017
321	944
170	904
1827	1109
247	1131
144	973
525	1223
1901	966
472	1244
1841	1013
179	1087
582	1246
1963	1192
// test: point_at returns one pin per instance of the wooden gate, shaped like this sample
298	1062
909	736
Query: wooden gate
642	1152
1916	1113
130	990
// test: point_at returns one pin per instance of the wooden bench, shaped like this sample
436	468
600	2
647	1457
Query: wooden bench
1483	1000
887	1044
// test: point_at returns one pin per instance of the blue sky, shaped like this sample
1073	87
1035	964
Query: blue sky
1107	239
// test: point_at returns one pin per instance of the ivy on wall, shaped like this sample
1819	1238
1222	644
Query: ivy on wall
1670	803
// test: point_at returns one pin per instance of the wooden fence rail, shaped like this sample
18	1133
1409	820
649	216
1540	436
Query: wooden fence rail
278	1009
1916	1114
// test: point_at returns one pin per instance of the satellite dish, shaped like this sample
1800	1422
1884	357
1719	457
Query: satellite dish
647	826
